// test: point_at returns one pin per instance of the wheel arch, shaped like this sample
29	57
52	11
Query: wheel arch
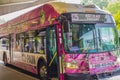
40	61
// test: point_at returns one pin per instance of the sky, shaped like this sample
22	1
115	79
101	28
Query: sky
10	16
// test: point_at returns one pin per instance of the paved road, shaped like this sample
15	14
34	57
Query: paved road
114	77
7	73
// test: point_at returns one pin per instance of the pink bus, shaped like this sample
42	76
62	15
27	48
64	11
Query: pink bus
62	41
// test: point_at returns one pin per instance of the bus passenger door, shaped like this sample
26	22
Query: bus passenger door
11	42
52	60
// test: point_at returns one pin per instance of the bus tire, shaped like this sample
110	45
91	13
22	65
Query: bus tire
5	58
94	77
42	71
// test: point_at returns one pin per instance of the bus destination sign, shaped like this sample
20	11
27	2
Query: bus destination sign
88	17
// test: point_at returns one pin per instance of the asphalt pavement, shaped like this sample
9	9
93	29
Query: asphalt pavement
8	73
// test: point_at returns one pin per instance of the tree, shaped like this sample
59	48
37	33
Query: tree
114	8
117	19
100	3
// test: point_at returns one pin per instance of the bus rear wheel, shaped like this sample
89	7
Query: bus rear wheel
42	71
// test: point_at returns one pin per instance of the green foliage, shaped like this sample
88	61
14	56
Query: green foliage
116	36
100	3
117	19
114	8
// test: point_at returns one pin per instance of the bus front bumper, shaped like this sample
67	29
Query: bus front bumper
81	76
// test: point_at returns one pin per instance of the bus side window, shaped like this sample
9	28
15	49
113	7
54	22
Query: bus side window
37	41
41	42
20	42
32	42
5	43
29	42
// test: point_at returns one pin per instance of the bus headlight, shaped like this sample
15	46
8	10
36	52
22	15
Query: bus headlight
71	65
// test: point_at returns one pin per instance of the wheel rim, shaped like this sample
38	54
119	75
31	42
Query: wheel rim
43	71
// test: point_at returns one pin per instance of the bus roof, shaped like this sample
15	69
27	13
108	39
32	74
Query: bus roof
44	15
62	7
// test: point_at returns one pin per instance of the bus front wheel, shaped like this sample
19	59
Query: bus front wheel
42	71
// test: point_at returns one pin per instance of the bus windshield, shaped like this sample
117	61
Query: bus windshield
107	37
85	38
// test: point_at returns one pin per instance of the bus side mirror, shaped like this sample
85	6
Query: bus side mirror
66	26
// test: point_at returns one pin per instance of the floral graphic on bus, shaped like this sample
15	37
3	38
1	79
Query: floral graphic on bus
42	17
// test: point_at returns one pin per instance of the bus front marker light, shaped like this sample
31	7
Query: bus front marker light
71	65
